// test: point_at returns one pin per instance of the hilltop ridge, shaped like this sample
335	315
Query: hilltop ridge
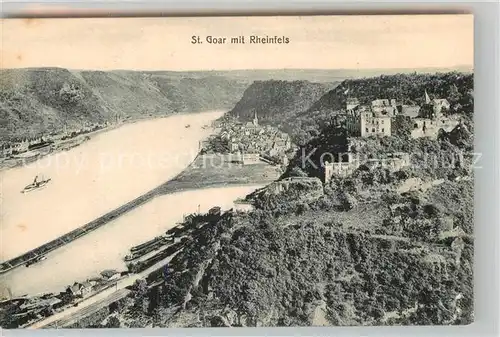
39	101
275	100
408	88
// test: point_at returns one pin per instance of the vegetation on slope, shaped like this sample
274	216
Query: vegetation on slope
309	268
456	87
274	101
352	252
407	88
303	258
34	102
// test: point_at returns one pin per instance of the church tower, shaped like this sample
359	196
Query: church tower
255	120
427	98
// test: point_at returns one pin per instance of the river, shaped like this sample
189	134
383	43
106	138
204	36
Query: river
106	247
88	181
105	172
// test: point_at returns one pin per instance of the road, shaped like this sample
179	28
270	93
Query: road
74	316
99	300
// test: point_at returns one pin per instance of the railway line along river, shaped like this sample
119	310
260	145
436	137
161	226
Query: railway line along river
88	181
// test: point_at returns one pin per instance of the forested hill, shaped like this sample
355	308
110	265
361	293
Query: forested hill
275	101
408	88
38	101
297	260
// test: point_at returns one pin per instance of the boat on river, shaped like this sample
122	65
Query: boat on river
132	257
148	244
37	183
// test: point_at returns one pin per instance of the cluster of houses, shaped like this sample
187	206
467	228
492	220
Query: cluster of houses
29	309
251	141
86	288
15	148
28	144
375	119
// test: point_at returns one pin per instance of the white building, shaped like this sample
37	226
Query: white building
375	124
340	168
373	120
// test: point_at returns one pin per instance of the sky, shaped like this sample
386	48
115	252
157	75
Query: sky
320	42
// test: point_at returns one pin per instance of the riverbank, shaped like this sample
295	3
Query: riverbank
130	161
87	256
140	208
68	144
195	177
200	174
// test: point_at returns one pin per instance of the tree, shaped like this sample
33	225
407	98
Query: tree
113	322
141	287
403	126
348	201
69	93
453	94
141	295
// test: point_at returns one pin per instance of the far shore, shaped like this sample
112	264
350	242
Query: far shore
68	144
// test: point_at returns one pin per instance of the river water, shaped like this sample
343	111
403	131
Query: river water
107	171
106	247
87	181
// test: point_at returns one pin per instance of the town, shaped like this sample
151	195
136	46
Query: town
249	143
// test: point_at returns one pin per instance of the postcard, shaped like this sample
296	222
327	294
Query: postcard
237	171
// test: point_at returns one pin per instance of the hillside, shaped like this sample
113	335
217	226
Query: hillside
408	88
274	101
44	100
313	265
456	87
381	246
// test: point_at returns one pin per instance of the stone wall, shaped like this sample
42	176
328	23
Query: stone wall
338	169
432	127
250	158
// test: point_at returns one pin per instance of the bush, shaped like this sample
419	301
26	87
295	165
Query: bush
70	93
113	322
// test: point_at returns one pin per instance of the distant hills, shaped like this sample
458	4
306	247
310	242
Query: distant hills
34	102
312	75
304	108
37	101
